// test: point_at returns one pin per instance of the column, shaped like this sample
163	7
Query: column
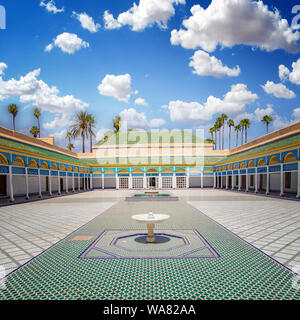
91	181
117	182
84	181
174	181
73	181
130	181
40	185
298	184
145	181
11	188
67	183
281	181
218	181
226	181
256	180
187	180
247	181
215	182
202	178
232	180
160	181
268	182
58	180
79	178
240	178
102	180
222	180
27	185
50	183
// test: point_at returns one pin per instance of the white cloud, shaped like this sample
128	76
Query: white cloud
146	13
296	114
3	66
279	90
206	65
59	121
67	42
109	21
234	102
51	7
30	89
231	22
87	22
294	75
260	113
118	87
138	120
140	101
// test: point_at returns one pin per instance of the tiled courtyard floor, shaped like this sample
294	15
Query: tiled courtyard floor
220	265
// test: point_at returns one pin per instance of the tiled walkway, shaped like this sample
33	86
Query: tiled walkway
238	271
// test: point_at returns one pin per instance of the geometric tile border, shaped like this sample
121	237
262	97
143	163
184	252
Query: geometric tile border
130	244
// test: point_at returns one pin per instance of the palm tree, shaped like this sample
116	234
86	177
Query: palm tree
211	131
242	127
117	123
247	124
80	127
91	125
209	140
219	126
13	109
267	120
223	117
37	114
237	128
216	136
230	124
34	131
70	146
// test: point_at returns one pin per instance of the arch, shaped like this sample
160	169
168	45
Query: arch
54	166
44	165
63	168
208	170
70	169
180	170
3	159
229	167
235	166
137	170
261	163
242	165
81	170
97	171
195	170
19	162
124	171
251	164
224	168
290	157
152	170
109	171
76	169
274	160
32	164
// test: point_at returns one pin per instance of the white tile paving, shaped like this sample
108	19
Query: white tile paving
272	225
28	229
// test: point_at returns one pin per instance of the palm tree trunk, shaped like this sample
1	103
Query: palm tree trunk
267	128
229	138
14	123
245	134
39	127
91	143
237	138
220	141
223	136
242	136
83	143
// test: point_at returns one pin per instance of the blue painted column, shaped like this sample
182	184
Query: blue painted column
298	184
27	185
11	188
281	181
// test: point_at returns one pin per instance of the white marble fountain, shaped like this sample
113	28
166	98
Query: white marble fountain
150	219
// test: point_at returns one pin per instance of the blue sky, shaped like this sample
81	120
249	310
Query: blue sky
154	71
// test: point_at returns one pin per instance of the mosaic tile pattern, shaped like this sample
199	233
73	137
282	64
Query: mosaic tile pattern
124	244
241	271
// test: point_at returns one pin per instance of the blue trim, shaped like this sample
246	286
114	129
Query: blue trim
243	171
4	169
290	167
32	172
261	169
251	170
275	168
62	174
18	170
70	174
44	172
54	173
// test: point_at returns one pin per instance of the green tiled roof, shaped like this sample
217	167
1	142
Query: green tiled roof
265	148
144	137
40	151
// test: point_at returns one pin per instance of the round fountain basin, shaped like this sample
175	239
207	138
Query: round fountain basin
146	218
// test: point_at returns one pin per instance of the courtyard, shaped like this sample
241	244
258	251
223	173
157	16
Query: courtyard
217	244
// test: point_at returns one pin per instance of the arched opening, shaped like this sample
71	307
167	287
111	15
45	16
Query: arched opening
44	165
274	160
19	162
290	158
33	164
3	177
195	178
109	179
3	159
